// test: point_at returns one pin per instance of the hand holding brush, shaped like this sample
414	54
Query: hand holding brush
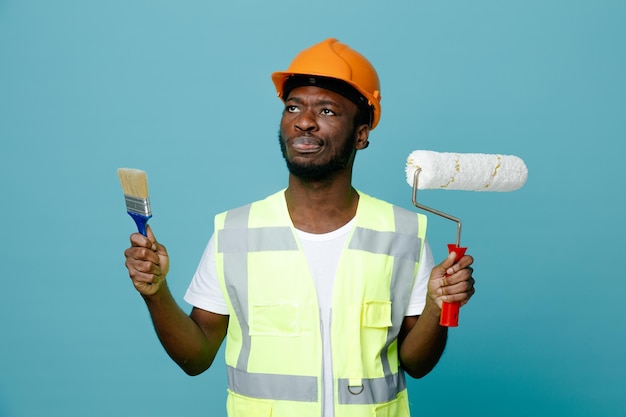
147	261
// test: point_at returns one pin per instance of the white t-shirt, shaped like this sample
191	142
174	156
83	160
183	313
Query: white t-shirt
322	252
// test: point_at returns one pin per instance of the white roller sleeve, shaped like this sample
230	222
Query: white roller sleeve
466	171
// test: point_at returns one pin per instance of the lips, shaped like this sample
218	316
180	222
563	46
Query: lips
306	144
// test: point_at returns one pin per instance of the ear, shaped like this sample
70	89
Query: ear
362	134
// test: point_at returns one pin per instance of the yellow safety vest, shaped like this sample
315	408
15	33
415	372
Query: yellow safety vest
274	343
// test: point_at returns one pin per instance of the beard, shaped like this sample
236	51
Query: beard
312	171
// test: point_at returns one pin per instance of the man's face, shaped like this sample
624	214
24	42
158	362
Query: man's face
318	137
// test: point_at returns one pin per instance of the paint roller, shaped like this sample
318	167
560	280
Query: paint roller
458	171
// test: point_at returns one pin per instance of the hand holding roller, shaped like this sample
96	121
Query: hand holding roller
470	172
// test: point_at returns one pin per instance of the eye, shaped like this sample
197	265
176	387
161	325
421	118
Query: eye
292	108
327	112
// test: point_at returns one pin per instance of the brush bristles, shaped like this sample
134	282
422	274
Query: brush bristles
134	182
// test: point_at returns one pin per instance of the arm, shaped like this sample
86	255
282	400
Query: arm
422	340
191	341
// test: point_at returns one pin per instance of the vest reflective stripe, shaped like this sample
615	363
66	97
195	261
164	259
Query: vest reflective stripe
304	388
238	238
375	390
403	266
257	240
397	244
379	242
272	386
237	242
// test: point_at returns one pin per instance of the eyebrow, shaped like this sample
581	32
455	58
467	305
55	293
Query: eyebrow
322	102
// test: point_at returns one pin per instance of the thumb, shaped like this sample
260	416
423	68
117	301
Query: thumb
448	262
151	237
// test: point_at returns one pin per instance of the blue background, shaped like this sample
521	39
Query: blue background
182	90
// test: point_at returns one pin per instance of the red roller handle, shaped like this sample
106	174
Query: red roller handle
450	311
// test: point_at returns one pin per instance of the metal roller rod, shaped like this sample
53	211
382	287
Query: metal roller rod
432	210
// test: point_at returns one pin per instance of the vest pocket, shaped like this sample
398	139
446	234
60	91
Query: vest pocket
395	408
275	320
241	406
376	314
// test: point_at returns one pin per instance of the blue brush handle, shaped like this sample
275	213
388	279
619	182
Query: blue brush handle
141	221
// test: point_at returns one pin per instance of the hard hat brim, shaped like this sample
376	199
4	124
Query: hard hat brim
279	79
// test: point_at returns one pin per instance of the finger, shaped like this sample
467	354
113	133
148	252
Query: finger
458	276
145	281
144	266
141	268
442	290
462	276
143	278
453	269
458	288
139	240
470	293
141	253
466	261
461	291
147	288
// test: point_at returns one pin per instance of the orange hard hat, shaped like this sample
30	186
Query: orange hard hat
331	59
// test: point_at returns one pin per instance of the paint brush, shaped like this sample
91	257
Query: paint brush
135	186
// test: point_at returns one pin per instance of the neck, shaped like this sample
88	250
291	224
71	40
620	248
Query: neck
321	206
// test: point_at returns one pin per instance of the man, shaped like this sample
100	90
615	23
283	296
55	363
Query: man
326	294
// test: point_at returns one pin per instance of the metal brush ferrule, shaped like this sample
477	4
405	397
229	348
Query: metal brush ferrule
432	210
138	205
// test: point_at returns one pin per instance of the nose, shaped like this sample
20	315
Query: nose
306	121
